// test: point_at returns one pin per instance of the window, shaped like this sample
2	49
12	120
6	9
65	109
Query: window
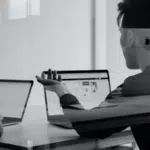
33	7
18	9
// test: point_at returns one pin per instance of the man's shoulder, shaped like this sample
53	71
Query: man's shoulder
140	78
138	84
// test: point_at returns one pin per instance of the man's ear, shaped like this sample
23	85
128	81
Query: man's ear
147	43
143	38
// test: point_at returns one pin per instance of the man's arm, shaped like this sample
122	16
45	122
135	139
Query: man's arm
118	92
69	101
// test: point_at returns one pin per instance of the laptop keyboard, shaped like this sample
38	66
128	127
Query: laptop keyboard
7	120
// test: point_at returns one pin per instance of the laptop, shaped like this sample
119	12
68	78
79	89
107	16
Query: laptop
14	95
91	87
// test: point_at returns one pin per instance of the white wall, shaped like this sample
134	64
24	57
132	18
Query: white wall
101	30
59	38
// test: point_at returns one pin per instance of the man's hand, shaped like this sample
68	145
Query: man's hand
52	83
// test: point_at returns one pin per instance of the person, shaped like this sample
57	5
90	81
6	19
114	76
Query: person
133	22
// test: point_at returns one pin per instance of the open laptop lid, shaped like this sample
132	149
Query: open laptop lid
14	95
89	86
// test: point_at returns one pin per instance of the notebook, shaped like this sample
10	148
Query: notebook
91	87
14	95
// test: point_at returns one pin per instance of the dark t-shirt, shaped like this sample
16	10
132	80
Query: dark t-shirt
133	86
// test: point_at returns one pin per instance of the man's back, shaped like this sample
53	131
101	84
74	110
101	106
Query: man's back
138	84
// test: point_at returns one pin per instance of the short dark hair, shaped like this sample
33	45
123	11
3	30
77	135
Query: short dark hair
134	14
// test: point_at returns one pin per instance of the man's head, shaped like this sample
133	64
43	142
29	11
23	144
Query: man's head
134	14
134	23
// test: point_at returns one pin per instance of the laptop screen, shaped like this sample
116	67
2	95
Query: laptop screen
90	87
13	97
